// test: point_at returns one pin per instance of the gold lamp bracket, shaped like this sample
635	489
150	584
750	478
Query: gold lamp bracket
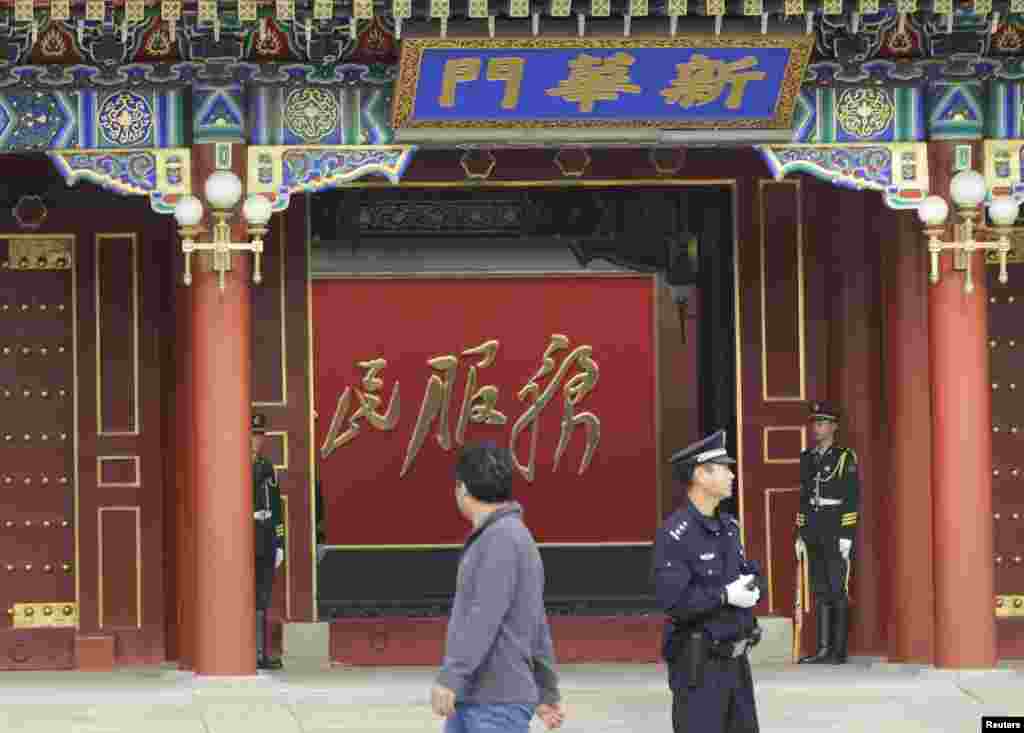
221	248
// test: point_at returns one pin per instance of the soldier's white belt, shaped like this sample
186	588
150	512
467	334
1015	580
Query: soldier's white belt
262	515
825	502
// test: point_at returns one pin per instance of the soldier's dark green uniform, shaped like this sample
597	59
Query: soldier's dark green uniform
268	523
829	500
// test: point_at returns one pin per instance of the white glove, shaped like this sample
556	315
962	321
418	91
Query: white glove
845	546
736	593
261	514
278	557
800	547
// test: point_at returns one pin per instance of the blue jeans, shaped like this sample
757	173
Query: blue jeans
504	718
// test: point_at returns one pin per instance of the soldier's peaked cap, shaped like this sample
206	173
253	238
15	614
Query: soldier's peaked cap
824	411
259	424
709	450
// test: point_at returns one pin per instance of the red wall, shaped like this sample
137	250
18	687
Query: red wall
408	322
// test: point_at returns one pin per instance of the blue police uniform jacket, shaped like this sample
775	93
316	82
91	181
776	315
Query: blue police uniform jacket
695	557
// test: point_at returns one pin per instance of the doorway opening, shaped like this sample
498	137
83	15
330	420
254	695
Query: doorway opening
682	234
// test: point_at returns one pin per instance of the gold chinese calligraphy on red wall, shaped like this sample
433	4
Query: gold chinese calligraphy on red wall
514	361
478	405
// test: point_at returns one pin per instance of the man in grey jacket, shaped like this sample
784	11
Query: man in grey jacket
499	662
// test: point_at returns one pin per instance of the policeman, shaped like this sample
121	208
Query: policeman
826	525
269	528
707	588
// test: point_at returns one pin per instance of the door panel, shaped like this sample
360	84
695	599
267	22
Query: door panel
38	292
777	377
1006	352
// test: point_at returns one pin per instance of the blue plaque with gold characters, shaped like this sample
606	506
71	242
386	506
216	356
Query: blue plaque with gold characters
728	81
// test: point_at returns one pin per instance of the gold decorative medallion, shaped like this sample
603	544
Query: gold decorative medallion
864	113
311	113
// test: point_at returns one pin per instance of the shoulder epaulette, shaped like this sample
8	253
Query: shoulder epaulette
677	529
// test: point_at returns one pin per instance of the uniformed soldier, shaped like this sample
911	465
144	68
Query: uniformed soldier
707	588
269	527
826	526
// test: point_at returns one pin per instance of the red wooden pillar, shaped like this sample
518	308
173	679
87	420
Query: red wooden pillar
224	621
908	401
965	624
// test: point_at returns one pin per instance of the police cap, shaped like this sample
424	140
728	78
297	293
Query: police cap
709	450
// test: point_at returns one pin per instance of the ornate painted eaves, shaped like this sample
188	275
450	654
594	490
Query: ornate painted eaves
163	175
278	171
1004	168
899	171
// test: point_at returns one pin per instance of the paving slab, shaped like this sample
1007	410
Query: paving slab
863	697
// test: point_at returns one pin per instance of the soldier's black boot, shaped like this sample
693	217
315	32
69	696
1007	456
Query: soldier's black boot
841	632
824	611
265	660
259	639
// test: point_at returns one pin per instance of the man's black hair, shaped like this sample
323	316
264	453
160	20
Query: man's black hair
487	470
684	472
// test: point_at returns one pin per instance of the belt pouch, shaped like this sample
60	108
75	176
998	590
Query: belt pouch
695	655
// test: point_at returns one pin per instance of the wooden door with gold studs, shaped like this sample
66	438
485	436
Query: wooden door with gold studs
38	451
84	304
1006	361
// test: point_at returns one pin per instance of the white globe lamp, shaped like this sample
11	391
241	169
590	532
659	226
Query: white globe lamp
1003	211
223	190
933	211
188	212
256	210
968	189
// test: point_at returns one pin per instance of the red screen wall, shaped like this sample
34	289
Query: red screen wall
408	322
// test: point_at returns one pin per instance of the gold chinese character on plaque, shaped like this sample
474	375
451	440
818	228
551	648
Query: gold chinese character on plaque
369	404
506	69
702	81
592	79
575	390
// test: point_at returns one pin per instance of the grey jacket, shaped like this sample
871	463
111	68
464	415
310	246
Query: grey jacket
499	646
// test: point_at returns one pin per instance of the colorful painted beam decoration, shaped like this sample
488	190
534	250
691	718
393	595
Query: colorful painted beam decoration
695	82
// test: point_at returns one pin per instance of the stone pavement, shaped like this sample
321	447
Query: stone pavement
863	697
